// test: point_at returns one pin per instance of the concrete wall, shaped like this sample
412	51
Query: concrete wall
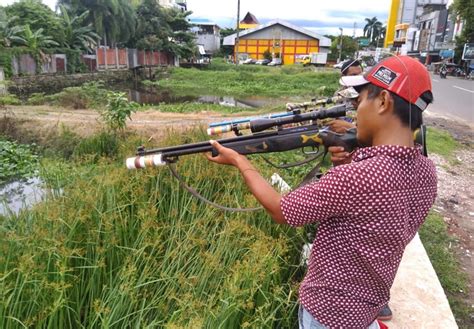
42	83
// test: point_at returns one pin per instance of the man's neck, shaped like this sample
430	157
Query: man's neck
394	134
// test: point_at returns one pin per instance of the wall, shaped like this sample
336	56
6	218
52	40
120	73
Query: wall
44	82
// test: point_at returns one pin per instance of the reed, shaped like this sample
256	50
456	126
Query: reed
121	249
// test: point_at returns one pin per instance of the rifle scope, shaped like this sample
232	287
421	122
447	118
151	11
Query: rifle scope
263	124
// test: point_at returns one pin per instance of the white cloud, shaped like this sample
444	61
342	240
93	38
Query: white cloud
325	16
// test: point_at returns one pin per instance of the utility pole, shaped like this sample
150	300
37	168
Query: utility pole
340	46
236	43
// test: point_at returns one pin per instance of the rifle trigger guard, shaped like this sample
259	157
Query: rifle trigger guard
310	152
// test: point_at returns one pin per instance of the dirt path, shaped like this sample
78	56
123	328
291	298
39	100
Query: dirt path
455	201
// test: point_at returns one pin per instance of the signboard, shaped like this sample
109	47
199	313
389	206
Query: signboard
446	53
468	53
364	42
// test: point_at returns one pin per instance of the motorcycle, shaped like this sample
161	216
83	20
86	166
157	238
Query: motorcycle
443	72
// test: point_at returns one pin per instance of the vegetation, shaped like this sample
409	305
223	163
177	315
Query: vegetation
16	161
374	30
226	79
465	10
442	143
438	243
120	248
117	110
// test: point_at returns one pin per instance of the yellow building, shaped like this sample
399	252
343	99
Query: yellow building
282	39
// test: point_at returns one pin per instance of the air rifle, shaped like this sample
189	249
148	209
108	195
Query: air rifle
294	110
261	141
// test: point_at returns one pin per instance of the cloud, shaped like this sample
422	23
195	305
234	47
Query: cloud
315	15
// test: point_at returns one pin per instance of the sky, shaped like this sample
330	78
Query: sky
323	17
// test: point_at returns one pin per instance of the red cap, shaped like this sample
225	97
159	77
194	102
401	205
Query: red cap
402	75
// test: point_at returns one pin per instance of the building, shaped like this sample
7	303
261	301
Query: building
282	39
403	21
249	22
207	34
421	28
179	4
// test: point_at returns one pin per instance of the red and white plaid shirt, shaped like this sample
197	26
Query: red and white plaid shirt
368	212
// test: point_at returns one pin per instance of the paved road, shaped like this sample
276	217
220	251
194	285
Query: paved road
454	97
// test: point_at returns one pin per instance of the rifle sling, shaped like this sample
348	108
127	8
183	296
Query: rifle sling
196	194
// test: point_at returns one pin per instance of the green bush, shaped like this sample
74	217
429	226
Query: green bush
117	110
9	100
16	161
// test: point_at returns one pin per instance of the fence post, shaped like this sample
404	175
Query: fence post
105	58
116	58
3	88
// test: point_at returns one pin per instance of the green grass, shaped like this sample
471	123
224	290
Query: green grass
442	143
189	107
437	243
250	80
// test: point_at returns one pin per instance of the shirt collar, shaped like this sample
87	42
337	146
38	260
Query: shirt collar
395	151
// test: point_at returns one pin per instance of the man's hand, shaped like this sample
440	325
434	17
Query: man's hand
339	156
340	126
226	155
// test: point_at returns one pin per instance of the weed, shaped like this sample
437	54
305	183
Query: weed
442	143
9	100
437	243
117	110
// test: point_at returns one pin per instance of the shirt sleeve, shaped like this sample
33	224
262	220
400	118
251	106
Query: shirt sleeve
329	197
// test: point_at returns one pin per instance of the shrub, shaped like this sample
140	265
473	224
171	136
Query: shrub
117	110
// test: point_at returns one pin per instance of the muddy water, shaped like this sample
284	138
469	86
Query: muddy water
155	96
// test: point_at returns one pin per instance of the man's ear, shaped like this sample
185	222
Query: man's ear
385	102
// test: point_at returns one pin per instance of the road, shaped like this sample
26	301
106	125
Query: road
453	97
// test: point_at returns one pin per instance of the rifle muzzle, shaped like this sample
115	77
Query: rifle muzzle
139	162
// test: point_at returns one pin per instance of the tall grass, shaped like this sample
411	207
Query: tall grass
130	249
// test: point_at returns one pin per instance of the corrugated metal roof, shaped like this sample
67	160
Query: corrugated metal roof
323	41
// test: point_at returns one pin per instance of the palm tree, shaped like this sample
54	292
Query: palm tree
112	19
10	33
77	36
372	29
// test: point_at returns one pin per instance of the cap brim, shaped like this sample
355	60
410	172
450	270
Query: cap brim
353	81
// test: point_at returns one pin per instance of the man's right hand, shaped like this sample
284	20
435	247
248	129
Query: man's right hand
339	156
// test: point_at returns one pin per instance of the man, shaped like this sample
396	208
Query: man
369	209
351	67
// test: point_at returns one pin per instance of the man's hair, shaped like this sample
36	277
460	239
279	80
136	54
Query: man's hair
349	63
409	114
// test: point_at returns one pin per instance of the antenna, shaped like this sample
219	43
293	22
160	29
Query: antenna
354	32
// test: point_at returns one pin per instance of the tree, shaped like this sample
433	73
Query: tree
37	41
164	29
10	33
76	35
114	20
349	47
181	41
37	16
372	29
465	10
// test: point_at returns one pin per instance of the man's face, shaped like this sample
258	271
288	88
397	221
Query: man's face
354	70
366	118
